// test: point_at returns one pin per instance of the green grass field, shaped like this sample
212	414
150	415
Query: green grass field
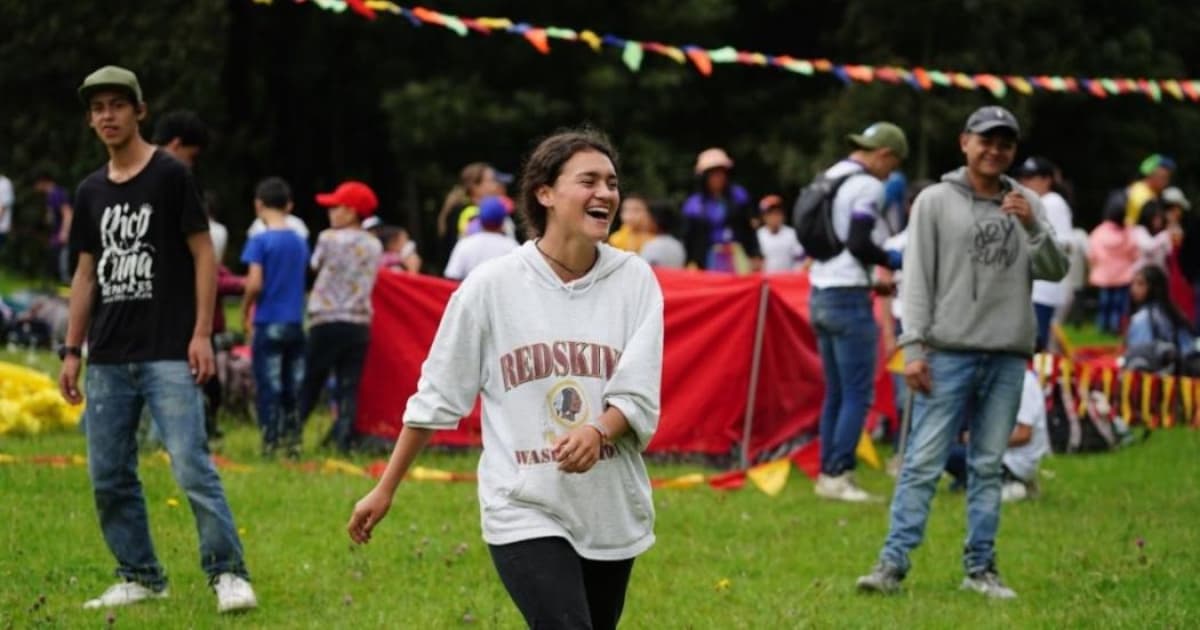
785	562
723	560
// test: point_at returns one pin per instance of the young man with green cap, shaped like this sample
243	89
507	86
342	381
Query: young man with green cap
142	295
1156	171
841	303
976	240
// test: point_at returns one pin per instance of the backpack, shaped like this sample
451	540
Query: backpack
1097	430
812	217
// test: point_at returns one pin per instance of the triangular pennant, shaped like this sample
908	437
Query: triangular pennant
731	480
537	37
632	55
676	483
456	25
591	39
865	452
700	58
770	477
555	32
808	458
727	54
1019	84
341	466
360	7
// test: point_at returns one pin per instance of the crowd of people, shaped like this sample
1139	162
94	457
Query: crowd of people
972	272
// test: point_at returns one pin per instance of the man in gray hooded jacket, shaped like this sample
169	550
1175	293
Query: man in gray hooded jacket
977	240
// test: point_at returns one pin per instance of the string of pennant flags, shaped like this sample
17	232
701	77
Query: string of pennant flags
704	60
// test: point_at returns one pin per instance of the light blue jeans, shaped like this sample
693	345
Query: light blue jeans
995	380
115	395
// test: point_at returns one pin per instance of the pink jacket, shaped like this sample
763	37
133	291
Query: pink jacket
1113	255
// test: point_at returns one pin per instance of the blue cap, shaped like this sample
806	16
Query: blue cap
492	211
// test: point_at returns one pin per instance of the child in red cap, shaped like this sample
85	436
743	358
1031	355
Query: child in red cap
346	259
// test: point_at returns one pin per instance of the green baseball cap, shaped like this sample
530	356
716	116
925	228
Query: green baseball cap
111	77
881	135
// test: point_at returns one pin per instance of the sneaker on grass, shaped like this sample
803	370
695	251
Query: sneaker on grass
988	583
234	593
124	594
883	578
841	488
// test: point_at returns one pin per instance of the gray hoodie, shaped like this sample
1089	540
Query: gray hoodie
969	269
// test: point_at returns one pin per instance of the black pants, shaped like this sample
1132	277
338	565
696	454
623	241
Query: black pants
555	588
342	348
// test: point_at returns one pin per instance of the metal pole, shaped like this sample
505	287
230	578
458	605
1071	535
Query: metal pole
905	424
755	360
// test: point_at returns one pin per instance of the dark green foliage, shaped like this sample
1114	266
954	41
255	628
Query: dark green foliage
316	97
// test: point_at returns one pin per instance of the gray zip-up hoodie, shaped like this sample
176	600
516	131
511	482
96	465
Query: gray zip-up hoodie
969	269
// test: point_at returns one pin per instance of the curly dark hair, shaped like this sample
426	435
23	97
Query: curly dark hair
545	165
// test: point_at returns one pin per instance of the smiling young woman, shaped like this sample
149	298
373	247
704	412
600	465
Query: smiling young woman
569	195
562	338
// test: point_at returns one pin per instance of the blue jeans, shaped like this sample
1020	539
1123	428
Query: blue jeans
277	353
1114	301
995	381
847	336
115	395
1045	316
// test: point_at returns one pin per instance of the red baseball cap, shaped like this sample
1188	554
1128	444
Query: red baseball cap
355	195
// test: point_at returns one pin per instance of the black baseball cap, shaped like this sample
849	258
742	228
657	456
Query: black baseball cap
1035	166
990	118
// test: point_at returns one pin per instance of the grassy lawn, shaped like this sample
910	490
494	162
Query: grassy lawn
723	560
789	561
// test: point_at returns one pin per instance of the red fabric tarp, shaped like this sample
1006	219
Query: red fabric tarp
709	326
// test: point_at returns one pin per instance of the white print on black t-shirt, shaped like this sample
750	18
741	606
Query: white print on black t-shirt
126	268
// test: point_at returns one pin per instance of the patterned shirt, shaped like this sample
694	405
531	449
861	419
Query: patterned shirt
347	261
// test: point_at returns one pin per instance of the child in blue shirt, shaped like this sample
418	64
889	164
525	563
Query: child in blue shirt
272	315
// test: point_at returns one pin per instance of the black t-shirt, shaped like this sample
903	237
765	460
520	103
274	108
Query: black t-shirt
145	306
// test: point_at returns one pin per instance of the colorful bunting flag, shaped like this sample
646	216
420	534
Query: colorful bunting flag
865	452
632	53
808	458
680	482
770	477
732	480
632	56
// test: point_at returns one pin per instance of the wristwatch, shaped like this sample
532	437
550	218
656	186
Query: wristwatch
64	351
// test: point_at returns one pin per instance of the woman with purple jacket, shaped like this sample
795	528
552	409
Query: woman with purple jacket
718	234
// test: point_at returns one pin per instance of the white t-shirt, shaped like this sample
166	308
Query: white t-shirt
780	250
1023	460
664	250
861	194
544	361
1155	248
220	238
1058	215
6	205
474	250
292	221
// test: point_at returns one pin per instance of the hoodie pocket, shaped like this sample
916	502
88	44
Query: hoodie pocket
604	508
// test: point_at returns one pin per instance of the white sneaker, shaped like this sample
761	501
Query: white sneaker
988	583
841	488
123	594
1013	491
234	593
